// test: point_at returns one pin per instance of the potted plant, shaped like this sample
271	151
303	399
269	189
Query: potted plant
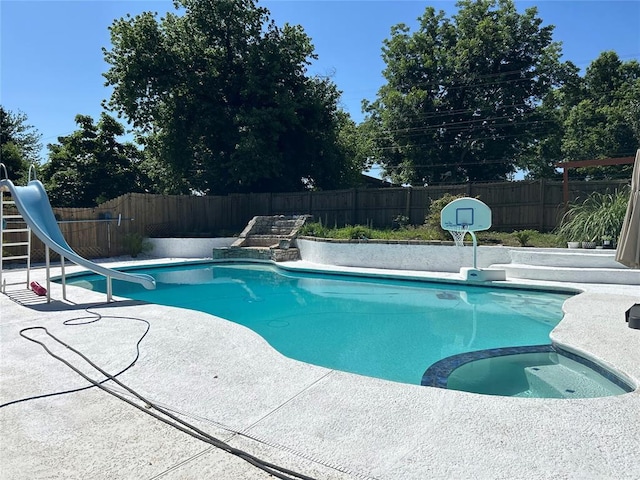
607	242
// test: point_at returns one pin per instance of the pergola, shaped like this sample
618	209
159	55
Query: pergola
587	163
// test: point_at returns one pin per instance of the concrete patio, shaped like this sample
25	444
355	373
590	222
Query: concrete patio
326	424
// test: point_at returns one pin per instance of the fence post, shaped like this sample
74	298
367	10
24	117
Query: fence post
354	206
542	205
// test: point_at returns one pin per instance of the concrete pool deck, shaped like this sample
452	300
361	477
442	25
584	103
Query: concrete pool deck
323	423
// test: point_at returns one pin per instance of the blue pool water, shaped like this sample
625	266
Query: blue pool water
390	329
539	371
542	374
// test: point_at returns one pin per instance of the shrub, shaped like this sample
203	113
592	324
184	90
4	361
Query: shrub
400	222
358	232
600	215
135	244
314	229
433	217
523	236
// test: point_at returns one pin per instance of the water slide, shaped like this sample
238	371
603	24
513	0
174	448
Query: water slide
33	204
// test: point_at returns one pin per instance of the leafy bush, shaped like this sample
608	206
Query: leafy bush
357	232
400	222
599	216
433	217
360	232
314	229
135	244
425	233
523	236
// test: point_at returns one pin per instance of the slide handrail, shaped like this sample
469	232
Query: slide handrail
32	168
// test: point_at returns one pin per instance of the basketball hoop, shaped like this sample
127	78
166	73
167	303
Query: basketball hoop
458	233
466	215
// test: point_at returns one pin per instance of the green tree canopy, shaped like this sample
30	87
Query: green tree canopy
222	101
590	117
605	122
461	93
91	166
19	144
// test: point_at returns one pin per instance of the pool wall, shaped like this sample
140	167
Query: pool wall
187	247
552	264
399	256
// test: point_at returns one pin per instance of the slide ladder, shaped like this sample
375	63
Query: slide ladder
15	237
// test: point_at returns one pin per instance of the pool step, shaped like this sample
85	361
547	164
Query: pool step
256	253
558	381
566	258
581	266
571	274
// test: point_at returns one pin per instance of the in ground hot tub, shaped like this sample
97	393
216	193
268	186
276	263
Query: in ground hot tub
541	371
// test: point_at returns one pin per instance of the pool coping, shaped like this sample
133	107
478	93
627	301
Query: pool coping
325	423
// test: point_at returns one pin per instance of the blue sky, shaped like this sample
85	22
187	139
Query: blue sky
51	59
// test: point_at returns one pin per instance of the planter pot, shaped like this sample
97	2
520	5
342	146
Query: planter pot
573	244
588	244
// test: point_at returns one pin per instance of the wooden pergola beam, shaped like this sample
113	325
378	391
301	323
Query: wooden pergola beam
587	163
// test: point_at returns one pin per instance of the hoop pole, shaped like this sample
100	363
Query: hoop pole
475	249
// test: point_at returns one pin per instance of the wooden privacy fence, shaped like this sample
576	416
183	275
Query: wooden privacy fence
96	232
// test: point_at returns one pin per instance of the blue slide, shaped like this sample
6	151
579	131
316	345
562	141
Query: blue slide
33	204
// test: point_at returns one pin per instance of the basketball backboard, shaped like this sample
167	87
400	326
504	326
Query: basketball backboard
466	214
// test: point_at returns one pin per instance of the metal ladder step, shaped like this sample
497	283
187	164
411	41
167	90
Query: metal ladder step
16	244
15	230
16	257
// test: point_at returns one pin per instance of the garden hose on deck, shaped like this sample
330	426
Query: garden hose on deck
77	322
147	406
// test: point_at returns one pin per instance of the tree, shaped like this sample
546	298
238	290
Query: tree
221	96
91	166
461	93
605	122
19	144
539	158
590	117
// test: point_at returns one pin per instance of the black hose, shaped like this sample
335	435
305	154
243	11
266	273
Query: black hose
172	420
75	322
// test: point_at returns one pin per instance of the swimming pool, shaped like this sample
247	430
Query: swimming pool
390	329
